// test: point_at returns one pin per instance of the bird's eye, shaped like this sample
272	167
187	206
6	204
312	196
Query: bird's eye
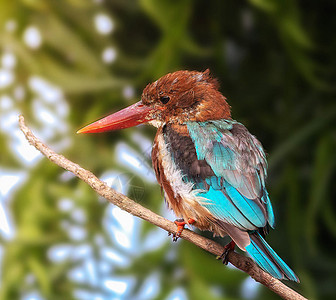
164	99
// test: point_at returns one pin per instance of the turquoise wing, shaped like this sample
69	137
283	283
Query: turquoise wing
236	194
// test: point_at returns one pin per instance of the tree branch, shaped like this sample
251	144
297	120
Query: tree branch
239	261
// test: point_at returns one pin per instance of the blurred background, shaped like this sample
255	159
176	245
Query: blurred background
66	63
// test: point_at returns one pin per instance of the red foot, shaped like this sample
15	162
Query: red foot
227	249
180	226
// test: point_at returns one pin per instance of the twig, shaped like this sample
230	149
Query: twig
239	261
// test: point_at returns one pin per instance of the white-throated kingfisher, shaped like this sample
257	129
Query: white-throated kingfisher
212	170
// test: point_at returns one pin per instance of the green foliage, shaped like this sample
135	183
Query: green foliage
275	61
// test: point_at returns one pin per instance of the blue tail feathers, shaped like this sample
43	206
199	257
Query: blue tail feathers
267	259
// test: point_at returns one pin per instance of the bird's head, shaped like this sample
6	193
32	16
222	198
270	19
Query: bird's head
175	98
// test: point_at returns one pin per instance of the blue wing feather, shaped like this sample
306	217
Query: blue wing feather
220	205
247	206
270	213
237	160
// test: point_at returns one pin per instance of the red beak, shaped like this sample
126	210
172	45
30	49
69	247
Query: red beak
128	117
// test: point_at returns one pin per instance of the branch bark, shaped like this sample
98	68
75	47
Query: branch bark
239	261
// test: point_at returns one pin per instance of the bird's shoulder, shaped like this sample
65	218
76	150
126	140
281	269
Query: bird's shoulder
228	145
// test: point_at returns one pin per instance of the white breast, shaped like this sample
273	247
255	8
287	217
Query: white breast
174	176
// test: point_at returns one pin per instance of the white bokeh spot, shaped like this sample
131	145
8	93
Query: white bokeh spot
32	37
103	24
109	55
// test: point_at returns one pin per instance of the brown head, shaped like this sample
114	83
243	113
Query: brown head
174	98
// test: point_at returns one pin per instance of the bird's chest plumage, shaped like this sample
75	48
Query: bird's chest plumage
174	159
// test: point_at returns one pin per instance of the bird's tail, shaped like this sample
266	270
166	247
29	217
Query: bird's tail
267	259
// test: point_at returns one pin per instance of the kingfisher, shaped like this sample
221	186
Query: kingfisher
211	168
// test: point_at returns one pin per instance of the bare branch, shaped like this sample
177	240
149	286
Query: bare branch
239	261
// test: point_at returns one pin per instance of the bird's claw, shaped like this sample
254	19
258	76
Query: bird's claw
224	257
174	237
180	226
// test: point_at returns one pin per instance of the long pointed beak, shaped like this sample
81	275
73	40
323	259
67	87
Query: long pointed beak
128	117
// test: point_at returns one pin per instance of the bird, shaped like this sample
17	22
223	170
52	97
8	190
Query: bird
211	169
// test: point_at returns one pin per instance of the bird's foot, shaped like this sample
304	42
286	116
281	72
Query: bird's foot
227	249
180	226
